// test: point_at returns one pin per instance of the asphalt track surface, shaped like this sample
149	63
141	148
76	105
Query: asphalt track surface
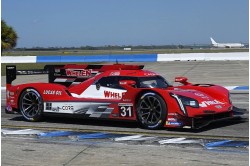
226	73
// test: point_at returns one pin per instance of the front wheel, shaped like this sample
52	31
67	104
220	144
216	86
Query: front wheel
151	111
31	105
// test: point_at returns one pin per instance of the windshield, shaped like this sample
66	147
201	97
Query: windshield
152	82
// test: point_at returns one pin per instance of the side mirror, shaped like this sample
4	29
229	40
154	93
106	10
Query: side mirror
182	80
127	83
98	86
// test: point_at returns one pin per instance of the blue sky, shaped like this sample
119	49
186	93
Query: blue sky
66	23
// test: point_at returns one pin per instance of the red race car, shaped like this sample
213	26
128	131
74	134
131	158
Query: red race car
120	92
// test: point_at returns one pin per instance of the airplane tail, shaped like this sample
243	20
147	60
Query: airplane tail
212	40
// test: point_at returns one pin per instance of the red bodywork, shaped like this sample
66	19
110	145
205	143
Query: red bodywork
89	99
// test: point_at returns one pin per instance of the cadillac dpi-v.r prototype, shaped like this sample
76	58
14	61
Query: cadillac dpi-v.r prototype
118	92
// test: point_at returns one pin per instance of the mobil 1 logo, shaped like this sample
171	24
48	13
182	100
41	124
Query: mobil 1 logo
125	110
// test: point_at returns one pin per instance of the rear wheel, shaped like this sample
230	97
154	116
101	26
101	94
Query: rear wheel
151	111
31	105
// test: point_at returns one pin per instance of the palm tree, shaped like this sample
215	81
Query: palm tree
8	36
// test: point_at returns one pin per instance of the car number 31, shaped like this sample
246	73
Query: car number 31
125	110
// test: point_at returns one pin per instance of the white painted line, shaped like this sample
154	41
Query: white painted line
143	138
173	140
133	138
230	87
203	56
18	59
128	138
20	132
178	141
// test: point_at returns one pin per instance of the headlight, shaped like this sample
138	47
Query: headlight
185	101
189	101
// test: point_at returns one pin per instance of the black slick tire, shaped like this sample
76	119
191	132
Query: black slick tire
151	111
31	105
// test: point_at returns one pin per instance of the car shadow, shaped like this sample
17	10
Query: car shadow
212	126
82	121
126	124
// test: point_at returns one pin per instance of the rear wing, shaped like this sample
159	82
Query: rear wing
11	73
67	75
72	74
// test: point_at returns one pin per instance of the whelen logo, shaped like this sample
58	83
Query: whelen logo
208	103
78	73
114	95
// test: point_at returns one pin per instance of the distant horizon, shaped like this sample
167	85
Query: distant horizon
62	23
186	46
194	44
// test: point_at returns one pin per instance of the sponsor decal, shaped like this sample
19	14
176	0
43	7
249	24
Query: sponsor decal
9	108
172	114
172	119
125	109
174	123
48	106
9	94
12	102
89	109
102	93
58	109
68	107
123	82
149	74
201	95
79	73
52	92
126	100
114	95
208	103
9	67
117	73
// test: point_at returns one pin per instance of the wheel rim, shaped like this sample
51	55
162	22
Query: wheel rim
150	110
31	104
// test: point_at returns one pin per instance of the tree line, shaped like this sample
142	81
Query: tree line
109	47
8	36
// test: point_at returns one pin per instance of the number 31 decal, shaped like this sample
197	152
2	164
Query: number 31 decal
125	110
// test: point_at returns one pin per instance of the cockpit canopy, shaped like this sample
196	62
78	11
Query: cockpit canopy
141	82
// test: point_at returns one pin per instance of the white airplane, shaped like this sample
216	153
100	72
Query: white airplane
226	45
